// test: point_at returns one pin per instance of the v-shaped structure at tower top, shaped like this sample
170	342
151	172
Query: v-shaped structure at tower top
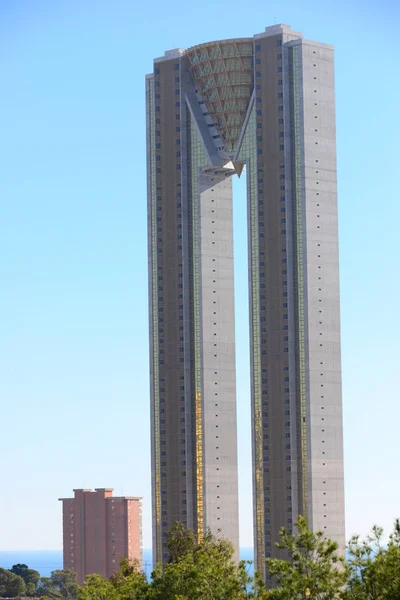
224	76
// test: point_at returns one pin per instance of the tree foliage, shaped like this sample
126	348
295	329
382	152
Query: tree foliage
374	570
16	587
19	569
11	585
62	583
97	588
313	564
30	576
207	570
204	570
198	570
130	583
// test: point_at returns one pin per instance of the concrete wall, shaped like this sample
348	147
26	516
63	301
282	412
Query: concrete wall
218	356
326	481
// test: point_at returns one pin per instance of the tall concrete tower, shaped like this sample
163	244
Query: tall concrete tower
265	105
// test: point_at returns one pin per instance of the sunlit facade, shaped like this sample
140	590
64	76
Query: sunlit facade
263	105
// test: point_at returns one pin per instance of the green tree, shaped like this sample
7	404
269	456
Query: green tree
65	581
11	585
202	570
130	582
181	541
97	588
258	589
374	570
30	576
391	564
313	564
16	587
30	589
46	588
5	577
62	583
19	569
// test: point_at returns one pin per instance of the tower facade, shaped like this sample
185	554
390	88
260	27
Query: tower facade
264	105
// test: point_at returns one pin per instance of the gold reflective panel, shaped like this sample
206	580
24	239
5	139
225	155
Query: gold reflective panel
199	467
197	159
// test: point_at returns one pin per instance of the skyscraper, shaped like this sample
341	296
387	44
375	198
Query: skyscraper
99	530
265	105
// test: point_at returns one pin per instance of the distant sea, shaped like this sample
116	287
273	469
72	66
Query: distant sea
46	561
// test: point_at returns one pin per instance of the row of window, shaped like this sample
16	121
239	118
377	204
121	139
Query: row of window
284	314
258	46
176	68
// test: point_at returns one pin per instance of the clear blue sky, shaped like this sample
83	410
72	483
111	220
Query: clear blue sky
74	387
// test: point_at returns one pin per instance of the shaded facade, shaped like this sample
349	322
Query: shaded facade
264	104
98	530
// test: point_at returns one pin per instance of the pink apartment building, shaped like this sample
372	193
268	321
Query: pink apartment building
99	529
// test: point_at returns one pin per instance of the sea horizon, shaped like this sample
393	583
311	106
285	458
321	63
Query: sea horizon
46	561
